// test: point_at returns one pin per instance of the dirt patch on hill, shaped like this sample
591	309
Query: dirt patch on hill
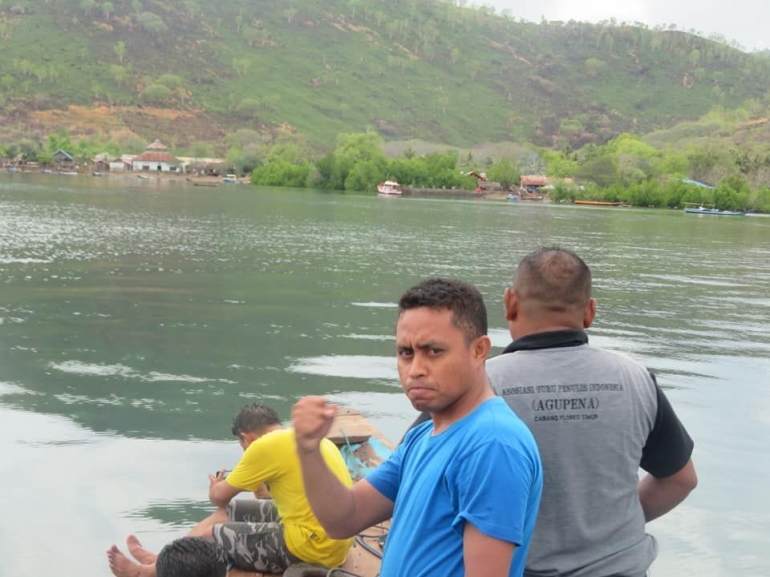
177	127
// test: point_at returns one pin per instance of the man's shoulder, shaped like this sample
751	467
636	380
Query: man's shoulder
584	351
495	423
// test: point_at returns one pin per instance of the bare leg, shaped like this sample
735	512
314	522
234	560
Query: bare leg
139	553
203	529
122	566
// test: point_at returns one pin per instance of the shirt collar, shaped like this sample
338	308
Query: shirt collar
548	340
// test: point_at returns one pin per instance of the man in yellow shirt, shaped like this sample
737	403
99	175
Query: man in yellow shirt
264	535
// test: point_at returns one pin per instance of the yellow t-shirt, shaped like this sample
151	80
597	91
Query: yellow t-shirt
272	459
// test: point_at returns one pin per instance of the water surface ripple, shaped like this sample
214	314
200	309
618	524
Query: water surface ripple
138	316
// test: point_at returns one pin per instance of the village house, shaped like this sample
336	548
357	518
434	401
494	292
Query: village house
482	184
125	162
205	166
63	160
101	162
534	184
156	159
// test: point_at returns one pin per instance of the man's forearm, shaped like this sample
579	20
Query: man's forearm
659	495
332	502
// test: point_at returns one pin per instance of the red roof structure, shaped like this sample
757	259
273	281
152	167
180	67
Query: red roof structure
534	180
152	156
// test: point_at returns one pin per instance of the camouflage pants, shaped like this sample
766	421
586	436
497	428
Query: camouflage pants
253	537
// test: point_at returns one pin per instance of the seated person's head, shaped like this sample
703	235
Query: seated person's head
191	557
254	418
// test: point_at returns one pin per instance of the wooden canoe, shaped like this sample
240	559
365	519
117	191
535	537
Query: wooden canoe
364	447
598	203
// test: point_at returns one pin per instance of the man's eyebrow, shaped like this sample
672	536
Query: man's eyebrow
430	345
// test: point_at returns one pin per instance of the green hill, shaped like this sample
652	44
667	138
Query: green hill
407	68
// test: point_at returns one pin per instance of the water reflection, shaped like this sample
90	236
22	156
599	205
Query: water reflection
359	367
138	317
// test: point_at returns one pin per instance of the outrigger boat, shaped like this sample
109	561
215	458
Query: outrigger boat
711	210
363	448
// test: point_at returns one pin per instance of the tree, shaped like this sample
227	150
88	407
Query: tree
365	175
153	23
7	81
108	8
87	6
602	170
200	149
594	67
323	176
289	14
118	73
192	7
120	50
281	173
156	93
170	81
241	66
504	172
59	140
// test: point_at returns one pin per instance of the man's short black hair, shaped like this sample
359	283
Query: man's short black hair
191	557
254	418
464	301
554	278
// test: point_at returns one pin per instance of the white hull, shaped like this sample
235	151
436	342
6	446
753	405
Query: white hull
389	188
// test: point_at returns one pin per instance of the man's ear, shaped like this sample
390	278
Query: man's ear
511	304
589	313
481	347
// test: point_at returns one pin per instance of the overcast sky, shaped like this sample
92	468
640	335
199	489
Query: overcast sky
746	21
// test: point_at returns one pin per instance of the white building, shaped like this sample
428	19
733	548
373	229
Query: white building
156	159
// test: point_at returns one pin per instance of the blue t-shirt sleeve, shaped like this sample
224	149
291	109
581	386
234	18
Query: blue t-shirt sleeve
387	477
492	488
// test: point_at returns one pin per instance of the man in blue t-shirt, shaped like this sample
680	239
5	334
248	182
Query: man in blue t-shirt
462	489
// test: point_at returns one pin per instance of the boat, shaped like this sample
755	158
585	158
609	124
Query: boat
201	182
711	210
363	447
514	197
389	188
597	203
230	179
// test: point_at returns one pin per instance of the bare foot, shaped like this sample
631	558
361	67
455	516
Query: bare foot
139	553
122	566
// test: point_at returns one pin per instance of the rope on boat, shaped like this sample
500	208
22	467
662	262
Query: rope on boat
335	572
369	548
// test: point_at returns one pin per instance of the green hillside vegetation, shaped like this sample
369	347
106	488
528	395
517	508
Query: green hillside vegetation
405	68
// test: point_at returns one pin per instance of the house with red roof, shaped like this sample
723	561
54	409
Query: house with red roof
532	183
157	159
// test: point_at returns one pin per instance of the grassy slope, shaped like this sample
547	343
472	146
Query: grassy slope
411	68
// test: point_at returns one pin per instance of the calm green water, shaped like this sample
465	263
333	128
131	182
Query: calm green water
136	317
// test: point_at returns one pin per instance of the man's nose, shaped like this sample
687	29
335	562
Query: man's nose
417	366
